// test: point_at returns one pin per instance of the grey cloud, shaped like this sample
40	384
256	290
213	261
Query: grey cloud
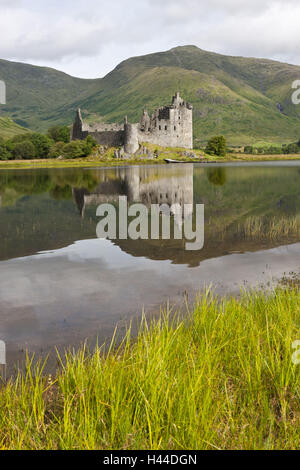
101	33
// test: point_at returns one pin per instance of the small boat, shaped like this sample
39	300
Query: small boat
169	160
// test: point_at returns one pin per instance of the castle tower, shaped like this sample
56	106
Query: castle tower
170	126
131	140
183	121
145	123
76	129
176	100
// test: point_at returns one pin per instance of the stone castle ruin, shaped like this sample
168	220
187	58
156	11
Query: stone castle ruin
169	126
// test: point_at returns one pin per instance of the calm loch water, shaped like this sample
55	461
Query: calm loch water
60	284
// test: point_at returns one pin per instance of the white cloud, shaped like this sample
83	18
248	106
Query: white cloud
88	39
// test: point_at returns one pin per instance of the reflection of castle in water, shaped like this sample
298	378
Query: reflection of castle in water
140	184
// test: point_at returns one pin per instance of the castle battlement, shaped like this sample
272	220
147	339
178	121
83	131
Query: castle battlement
168	126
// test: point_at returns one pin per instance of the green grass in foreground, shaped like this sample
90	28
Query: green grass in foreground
222	378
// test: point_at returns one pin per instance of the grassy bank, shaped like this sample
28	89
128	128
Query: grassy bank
73	163
223	378
88	162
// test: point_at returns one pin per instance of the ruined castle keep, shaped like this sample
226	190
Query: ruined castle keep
169	126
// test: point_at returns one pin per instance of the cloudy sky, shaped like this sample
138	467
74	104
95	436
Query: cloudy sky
89	38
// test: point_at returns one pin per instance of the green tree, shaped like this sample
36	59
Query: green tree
24	150
216	146
56	150
292	148
274	150
89	144
74	149
42	144
5	154
248	149
19	138
59	134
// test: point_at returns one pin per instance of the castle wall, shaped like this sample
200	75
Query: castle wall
169	126
112	135
109	138
102	127
166	138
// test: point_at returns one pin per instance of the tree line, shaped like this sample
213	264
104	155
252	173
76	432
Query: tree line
54	144
273	149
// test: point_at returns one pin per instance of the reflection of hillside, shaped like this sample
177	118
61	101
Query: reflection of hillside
229	207
214	246
40	223
15	184
245	208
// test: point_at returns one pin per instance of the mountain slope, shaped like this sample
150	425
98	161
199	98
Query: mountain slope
35	94
246	99
8	128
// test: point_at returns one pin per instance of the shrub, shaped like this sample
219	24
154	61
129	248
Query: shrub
79	148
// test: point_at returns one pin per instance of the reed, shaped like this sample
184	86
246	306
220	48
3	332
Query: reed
256	227
221	377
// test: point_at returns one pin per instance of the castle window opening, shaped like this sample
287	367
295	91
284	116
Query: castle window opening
166	128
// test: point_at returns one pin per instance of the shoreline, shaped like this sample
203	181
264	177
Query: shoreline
89	162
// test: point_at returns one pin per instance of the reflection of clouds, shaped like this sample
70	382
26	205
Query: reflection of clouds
70	272
99	251
53	297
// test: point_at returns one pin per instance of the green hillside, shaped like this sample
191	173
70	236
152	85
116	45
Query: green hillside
246	99
38	97
9	128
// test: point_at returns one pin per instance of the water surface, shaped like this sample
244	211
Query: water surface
60	284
